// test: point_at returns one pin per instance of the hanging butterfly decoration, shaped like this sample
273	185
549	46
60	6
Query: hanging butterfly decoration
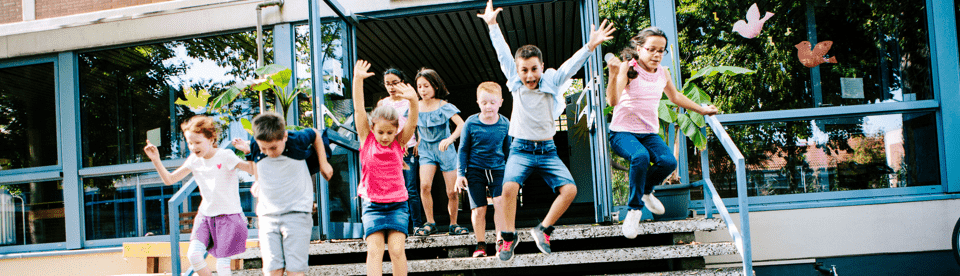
751	27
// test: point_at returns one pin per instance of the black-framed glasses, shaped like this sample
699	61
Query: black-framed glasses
663	51
392	83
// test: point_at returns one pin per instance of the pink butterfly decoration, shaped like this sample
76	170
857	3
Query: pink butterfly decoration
751	27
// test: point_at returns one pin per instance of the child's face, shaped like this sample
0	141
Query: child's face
425	89
199	145
529	71
489	103
651	52
273	149
384	132
390	81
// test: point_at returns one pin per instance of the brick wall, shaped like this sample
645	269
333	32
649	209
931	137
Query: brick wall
10	11
57	8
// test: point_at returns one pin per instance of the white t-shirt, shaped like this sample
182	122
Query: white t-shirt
218	182
285	186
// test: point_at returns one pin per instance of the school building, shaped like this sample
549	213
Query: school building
849	130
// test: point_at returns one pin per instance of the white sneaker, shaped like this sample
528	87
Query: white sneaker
652	203
631	224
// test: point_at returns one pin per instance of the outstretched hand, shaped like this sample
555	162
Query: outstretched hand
407	92
361	68
152	152
601	35
490	15
709	110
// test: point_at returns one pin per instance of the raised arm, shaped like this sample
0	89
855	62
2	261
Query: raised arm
410	128
507	64
325	169
575	62
681	100
359	111
167	177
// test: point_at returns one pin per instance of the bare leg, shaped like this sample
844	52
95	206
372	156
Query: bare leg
453	197
426	187
498	220
479	218
276	272
509	198
398	258
375	254
560	205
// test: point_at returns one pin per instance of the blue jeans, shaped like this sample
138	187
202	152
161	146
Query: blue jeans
528	157
412	180
642	150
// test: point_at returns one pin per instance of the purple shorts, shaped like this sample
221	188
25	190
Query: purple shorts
223	235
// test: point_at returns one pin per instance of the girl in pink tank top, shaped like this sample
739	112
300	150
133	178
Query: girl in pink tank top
634	90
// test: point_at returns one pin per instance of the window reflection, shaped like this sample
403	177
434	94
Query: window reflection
881	48
109	205
31	213
833	154
28	121
127	92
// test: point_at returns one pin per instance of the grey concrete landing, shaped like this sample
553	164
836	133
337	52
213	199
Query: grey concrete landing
692	272
566	232
535	260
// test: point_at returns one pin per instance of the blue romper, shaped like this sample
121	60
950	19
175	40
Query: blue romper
434	126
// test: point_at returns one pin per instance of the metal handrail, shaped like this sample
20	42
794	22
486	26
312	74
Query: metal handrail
741	239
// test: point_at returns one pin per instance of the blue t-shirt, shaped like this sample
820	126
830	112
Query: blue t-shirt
484	146
299	146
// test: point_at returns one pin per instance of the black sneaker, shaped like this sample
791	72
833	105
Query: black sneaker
481	250
505	250
541	237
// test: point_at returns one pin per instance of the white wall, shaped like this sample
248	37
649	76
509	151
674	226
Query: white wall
845	231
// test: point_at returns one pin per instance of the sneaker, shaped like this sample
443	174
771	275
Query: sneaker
481	250
652	203
541	237
631	224
506	250
499	244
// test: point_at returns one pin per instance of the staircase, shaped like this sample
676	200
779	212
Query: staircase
664	247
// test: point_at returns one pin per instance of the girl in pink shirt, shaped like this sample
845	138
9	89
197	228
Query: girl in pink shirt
385	211
634	90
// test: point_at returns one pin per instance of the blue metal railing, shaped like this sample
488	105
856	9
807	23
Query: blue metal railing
741	239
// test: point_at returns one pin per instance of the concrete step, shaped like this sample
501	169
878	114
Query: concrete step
693	272
600	256
565	232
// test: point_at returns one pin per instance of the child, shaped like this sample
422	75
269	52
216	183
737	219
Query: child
435	150
392	77
284	190
537	102
220	226
634	90
385	214
483	147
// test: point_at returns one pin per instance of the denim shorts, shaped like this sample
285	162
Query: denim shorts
478	181
384	216
528	157
430	154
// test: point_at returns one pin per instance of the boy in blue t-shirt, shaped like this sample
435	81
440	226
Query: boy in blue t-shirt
284	189
483	147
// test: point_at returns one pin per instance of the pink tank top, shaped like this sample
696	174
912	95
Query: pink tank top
637	110
403	107
381	172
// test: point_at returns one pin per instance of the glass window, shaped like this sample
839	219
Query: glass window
126	93
28	116
110	205
831	154
32	213
878	52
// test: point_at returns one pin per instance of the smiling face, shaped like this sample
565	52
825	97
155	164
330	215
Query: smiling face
425	89
390	81
651	52
529	70
385	132
273	149
199	145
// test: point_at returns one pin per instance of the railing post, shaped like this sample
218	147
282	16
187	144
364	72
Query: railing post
173	211
743	205
705	172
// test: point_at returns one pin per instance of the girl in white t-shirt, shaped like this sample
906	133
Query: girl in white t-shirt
220	213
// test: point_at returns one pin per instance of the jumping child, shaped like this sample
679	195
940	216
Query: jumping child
392	78
220	226
435	150
634	90
537	103
385	213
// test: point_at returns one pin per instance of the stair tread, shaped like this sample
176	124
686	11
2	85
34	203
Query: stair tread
535	259
564	232
727	271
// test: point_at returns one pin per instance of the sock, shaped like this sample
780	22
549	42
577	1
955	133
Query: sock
546	230
481	246
508	236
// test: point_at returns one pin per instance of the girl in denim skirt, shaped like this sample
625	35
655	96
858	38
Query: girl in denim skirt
385	211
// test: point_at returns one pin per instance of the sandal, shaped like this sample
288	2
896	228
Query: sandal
458	230
426	230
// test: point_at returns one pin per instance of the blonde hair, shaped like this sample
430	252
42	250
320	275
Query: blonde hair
490	87
385	113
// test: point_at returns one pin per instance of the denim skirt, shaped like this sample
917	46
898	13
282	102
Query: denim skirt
385	216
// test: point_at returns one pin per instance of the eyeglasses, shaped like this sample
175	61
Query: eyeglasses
663	51
392	83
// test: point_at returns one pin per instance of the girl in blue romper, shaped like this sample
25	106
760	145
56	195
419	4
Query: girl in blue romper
435	150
